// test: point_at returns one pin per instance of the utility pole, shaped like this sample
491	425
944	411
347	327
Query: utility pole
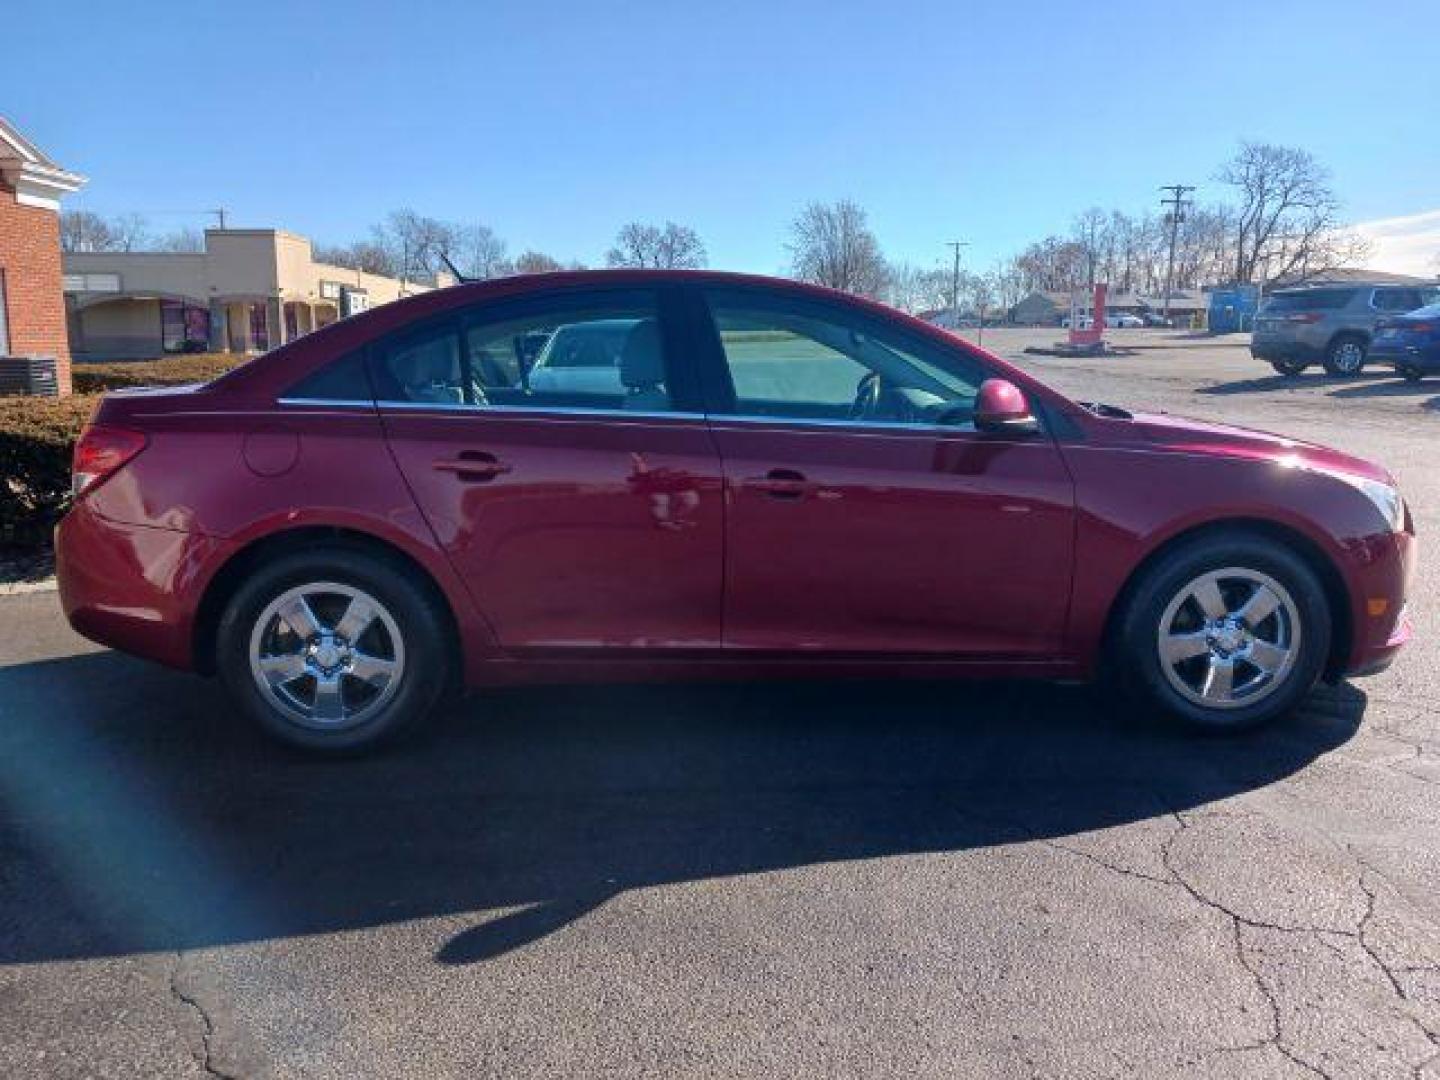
1177	203
956	245
219	213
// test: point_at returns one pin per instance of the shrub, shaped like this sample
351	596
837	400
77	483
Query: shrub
37	437
173	371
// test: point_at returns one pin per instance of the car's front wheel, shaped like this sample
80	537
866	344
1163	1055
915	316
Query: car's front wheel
333	649
1225	632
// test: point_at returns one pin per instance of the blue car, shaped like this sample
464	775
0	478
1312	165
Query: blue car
1409	343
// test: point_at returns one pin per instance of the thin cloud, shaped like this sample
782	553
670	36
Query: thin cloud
1404	245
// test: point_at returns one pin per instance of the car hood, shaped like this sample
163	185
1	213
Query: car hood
1184	435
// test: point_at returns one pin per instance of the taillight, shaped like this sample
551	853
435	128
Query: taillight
1304	317
99	453
1422	327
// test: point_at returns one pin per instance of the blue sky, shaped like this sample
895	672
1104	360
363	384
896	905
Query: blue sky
555	123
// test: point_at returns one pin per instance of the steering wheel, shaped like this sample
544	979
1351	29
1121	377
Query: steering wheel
868	392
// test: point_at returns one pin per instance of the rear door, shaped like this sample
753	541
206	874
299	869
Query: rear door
582	519
866	514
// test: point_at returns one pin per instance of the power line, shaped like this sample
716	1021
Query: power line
1177	203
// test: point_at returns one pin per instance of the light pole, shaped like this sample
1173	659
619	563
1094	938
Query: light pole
956	245
1177	203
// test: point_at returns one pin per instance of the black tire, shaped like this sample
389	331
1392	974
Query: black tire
1345	355
1288	367
415	613
1412	374
1137	666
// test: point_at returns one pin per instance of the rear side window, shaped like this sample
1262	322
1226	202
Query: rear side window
1397	300
342	380
1310	300
601	351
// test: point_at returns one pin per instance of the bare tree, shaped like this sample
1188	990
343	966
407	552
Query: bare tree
536	262
1007	284
831	244
1093	239
914	289
477	252
670	247
1052	265
85	230
1285	225
183	239
362	255
412	244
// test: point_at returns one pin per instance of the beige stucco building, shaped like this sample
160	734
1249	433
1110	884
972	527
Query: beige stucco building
248	291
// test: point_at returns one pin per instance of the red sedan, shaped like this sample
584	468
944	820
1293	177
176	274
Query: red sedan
631	474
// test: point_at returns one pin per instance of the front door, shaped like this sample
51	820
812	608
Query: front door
584	515
866	514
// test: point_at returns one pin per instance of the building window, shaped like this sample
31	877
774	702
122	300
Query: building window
183	327
259	329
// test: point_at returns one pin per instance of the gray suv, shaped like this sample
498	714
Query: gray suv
1329	324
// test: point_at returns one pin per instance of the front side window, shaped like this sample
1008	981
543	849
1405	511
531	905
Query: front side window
570	352
800	360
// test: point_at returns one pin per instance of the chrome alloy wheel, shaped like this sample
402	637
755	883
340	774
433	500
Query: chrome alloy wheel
328	655
1229	638
1348	357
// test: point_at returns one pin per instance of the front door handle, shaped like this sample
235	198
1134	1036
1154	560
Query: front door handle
782	484
473	466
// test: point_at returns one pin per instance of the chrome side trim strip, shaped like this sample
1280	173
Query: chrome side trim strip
884	425
533	410
327	403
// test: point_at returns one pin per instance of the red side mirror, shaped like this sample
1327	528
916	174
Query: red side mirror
1000	406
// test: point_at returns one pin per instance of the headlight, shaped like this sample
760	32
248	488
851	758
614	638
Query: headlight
1384	497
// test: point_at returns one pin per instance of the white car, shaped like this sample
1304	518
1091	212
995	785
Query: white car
1123	319
583	358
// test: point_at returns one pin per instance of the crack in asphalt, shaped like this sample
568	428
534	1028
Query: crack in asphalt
1240	923
1276	1034
207	1026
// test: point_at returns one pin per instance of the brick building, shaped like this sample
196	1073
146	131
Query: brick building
32	303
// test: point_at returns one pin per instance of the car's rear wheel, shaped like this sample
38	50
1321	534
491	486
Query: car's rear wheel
1412	374
1288	367
1224	633
333	649
1346	355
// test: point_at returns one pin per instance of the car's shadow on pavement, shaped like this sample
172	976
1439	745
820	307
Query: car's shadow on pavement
139	815
1392	388
1263	384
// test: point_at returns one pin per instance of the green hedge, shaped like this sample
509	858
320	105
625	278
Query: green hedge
37	437
173	371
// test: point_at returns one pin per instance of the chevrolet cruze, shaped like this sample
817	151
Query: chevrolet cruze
772	479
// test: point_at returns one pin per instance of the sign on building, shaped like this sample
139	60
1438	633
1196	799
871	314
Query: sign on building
103	283
353	301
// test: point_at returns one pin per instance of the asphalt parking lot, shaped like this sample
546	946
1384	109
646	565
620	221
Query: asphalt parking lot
761	881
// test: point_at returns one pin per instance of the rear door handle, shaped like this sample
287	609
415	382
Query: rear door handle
473	466
782	484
